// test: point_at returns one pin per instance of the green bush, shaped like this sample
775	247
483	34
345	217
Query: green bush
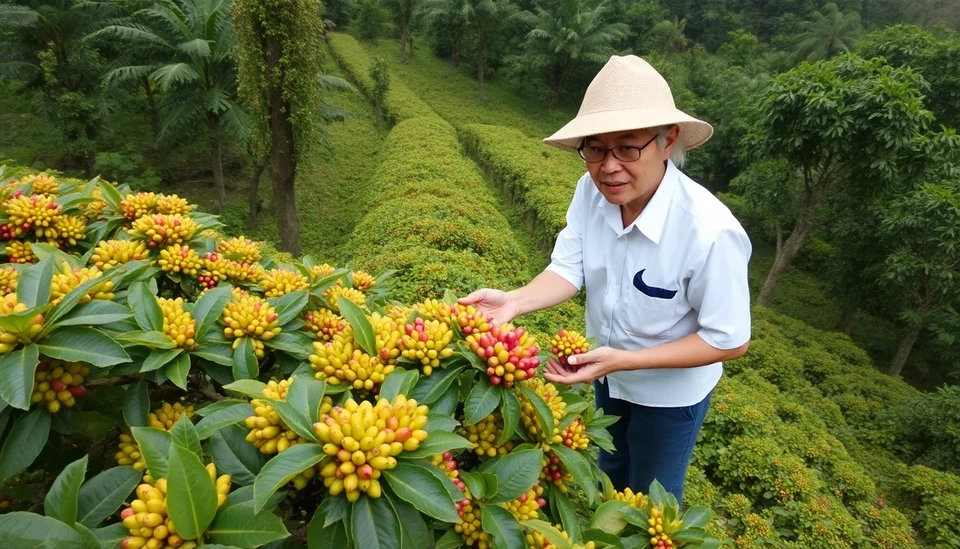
925	429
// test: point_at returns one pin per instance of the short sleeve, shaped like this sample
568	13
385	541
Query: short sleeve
719	290
567	257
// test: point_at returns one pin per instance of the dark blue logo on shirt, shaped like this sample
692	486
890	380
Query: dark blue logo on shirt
651	291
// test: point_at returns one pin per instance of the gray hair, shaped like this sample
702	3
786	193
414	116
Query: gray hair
679	153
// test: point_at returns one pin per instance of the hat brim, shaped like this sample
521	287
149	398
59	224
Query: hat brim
693	132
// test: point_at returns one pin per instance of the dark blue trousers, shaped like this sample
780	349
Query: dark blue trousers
651	443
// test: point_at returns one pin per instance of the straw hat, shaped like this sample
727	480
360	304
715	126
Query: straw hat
628	94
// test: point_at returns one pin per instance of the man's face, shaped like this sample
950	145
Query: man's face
624	182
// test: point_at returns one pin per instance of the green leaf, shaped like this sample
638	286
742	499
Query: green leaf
482	401
540	408
510	411
145	307
374	524
185	434
437	442
235	456
319	536
79	344
26	439
431	388
295	419
602	421
516	473
153	340
697	517
282	468
17	370
158	359
449	298
288	306
471	357
657	493
245	364
439	422
155	447
249	387
215	353
111	196
178	369
239	526
306	393
566	511
111	536
207	309
136	404
96	312
475	484
418	485
234	413
61	501
27	531
191	493
33	286
413	527
491	484
103	494
610	540
296	344
579	468
450	540
608	518
398	382
549	532
362	329
503	527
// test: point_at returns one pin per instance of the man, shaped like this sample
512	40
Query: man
665	266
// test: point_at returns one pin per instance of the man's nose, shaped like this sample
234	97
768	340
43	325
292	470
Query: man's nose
610	164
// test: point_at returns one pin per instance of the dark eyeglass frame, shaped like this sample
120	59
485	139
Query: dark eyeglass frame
614	151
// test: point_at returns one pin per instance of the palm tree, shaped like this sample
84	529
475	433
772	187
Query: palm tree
669	35
447	21
187	49
828	33
486	19
567	37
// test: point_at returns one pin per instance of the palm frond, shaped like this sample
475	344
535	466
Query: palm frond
196	48
13	16
330	113
174	74
132	33
333	83
126	74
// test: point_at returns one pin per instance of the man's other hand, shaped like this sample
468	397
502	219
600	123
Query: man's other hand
588	367
493	303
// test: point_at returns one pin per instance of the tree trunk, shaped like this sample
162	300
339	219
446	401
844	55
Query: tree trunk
217	154
788	252
253	198
455	58
283	167
152	103
481	55
404	32
848	319
896	365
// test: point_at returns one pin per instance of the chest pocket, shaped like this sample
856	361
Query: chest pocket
649	306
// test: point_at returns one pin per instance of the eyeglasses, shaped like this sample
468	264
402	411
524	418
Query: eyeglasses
623	153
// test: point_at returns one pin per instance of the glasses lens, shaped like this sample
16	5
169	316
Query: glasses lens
592	154
627	154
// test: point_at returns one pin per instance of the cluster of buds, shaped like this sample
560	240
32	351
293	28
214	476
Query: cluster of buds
240	249
247	315
485	433
268	432
426	342
111	253
554	471
278	282
42	183
470	320
217	268
387	332
449	466
469	526
575	436
20	252
36	213
341	361
135	206
8	280
510	353
434	309
171	204
222	484
56	384
350	294
658	537
322	270
178	324
536	540
362	440
167	415
528	505
363	280
129	453
558	409
69	278
69	229
163	230
94	209
566	344
179	258
10	339
638	500
326	324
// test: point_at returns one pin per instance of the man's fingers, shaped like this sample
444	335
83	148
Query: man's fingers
473	297
585	358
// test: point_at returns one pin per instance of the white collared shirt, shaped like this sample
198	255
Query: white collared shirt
680	268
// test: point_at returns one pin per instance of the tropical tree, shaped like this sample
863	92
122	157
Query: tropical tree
828	33
486	19
567	37
403	14
669	37
280	58
848	125
447	26
191	61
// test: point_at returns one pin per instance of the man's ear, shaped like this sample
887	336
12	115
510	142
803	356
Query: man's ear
672	136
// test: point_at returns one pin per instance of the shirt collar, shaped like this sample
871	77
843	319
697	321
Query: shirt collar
651	220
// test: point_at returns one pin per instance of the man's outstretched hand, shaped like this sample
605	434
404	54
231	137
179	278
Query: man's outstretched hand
493	303
588	367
